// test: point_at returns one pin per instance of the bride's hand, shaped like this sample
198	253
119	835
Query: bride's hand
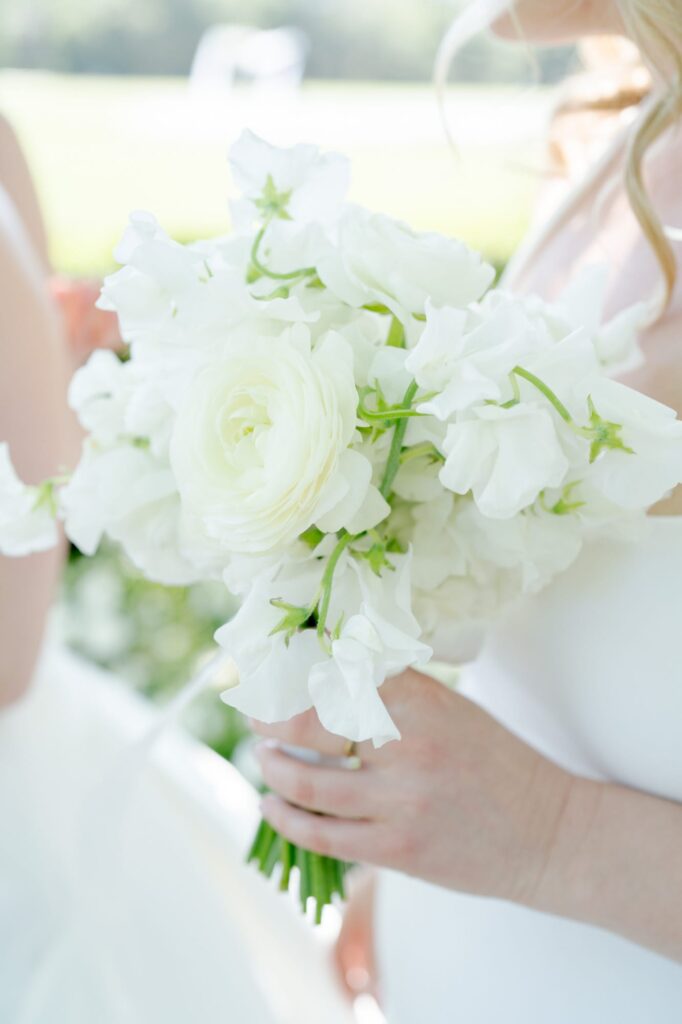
459	801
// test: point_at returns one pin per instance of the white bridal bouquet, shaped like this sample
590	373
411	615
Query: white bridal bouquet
344	421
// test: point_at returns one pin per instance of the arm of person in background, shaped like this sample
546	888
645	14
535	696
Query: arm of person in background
34	417
85	327
17	182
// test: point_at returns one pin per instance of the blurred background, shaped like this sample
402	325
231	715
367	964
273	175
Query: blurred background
122	105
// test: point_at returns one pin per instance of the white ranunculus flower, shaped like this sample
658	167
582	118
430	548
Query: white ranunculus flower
652	431
504	456
261	446
377	260
129	495
314	183
27	523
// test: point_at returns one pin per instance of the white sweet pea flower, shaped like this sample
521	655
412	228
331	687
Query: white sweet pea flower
365	337
309	186
279	680
418	480
467	358
27	521
273	675
535	545
616	341
388	370
379	641
99	393
467	567
438	542
156	275
118	401
647	462
344	688
131	497
261	446
377	260
504	456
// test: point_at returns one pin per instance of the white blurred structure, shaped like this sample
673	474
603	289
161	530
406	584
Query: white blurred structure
124	897
271	58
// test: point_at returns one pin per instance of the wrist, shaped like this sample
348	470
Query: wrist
564	882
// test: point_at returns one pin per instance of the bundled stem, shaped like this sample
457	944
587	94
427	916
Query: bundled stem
320	877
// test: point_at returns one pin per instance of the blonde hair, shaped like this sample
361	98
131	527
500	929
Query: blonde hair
655	27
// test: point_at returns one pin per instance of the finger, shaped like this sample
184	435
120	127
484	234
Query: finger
303	731
327	790
332	837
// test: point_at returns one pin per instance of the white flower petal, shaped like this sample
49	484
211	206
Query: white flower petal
505	457
25	526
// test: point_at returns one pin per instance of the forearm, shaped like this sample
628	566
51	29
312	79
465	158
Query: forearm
616	862
33	419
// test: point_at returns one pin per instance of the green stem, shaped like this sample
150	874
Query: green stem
546	391
288	855
303	863
396	334
318	885
273	855
258	842
385	416
427	448
262	269
589	433
393	461
327	579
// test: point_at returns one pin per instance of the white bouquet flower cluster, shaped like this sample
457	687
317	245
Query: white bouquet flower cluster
341	419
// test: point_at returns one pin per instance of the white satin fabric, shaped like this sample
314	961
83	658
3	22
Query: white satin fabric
124	898
590	673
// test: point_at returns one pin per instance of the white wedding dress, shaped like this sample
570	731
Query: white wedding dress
590	673
124	897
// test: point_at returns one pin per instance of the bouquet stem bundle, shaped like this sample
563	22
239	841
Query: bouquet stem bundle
320	878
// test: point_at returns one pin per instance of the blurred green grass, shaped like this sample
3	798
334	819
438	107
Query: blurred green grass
100	147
